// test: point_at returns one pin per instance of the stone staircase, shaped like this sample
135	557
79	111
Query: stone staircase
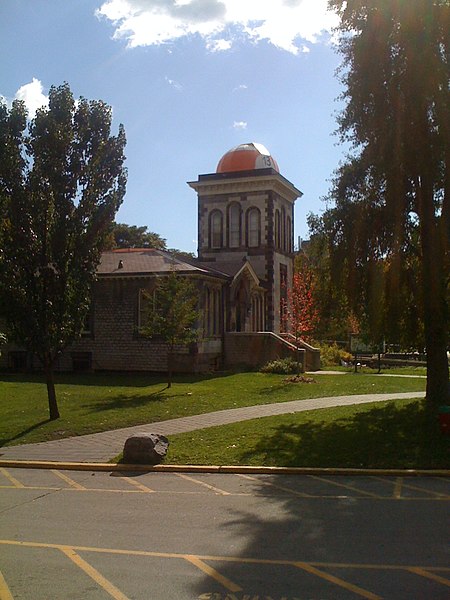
255	349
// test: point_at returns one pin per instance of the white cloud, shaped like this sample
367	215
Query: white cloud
33	96
218	45
287	24
240	125
174	84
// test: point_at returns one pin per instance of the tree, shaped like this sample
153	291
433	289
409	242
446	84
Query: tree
172	313
132	236
330	296
393	196
301	310
181	254
62	180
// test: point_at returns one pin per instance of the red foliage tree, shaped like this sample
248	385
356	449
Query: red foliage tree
302	313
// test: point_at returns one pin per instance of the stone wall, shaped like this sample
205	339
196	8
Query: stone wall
253	350
114	342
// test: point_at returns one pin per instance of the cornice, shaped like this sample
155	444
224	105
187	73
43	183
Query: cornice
242	185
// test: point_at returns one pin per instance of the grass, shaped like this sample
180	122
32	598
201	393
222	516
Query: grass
398	434
90	403
421	371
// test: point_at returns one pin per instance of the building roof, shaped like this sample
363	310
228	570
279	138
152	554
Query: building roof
126	262
230	268
246	157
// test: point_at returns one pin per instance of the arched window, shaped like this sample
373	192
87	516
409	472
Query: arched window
289	234
217	312
277	228
213	310
234	225
216	229
257	313
146	304
283	229
253	228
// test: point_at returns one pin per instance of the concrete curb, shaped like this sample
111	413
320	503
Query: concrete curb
236	469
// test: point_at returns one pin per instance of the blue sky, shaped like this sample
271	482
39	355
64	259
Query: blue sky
189	79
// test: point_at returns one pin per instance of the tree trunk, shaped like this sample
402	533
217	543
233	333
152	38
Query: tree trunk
434	303
169	367
51	393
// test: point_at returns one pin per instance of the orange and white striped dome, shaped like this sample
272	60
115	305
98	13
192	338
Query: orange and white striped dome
246	157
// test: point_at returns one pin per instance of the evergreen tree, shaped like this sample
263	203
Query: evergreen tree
62	180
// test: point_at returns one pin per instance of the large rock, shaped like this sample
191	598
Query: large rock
145	448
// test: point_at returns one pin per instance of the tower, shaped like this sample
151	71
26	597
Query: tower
246	229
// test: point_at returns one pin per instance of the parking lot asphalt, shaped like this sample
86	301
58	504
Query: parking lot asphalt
140	536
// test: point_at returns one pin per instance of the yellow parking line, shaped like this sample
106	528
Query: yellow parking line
433	576
138	484
12	479
29	487
68	480
93	573
346	486
105	490
204	484
5	593
421	489
425	571
274	485
397	494
416	488
227	583
338	581
398	488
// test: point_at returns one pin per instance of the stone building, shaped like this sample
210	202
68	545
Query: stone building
246	215
242	273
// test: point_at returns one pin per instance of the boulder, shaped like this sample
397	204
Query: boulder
145	448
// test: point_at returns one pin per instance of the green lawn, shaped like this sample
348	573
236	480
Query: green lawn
97	402
397	434
421	371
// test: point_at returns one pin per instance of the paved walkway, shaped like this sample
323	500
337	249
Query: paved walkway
101	447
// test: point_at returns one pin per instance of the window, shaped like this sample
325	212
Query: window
81	361
87	328
277	228
234	226
18	360
289	234
146	300
212	320
253	228
216	229
283	229
257	313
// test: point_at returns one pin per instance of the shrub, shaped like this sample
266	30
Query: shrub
299	379
331	355
281	366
